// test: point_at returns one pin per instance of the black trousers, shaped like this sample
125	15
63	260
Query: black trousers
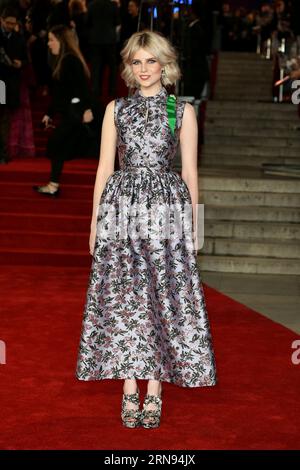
66	142
195	77
40	64
101	55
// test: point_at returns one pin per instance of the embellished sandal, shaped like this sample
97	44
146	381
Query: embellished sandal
151	418
131	417
50	189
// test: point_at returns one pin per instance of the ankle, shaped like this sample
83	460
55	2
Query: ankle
130	386
154	387
53	183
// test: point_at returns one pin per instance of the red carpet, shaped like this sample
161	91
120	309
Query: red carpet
45	267
35	229
254	406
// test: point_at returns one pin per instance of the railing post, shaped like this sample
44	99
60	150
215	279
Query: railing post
269	48
2	92
280	98
282	46
258	45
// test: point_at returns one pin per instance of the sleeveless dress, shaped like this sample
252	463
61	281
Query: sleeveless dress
145	314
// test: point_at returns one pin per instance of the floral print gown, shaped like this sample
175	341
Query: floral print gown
145	315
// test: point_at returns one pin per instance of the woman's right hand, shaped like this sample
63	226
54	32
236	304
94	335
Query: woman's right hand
87	116
92	238
46	121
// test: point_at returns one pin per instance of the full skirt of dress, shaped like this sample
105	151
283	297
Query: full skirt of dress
145	314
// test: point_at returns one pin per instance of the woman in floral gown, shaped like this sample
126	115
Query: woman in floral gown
145	315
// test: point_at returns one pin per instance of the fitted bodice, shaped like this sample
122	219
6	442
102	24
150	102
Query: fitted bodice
144	136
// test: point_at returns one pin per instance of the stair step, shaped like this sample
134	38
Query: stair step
253	125
266	214
244	70
241	86
79	177
249	230
40	141
253	247
40	151
44	205
47	257
239	179
213	129
242	97
211	182
227	72
67	241
241	55
248	56
7	189
212	160
248	264
236	76
239	92
251	114
236	148
254	60
245	95
238	64
257	141
271	107
242	198
43	222
243	78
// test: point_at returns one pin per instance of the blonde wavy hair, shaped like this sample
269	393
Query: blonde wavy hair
155	43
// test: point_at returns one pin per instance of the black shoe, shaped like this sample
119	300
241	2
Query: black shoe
4	161
46	191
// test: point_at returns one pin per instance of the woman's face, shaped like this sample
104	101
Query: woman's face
54	44
146	68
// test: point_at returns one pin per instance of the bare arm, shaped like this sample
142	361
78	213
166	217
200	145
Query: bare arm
189	156
107	158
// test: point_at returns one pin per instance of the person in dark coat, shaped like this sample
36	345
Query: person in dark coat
78	14
20	6
103	18
12	58
196	68
71	100
130	23
59	14
37	42
295	17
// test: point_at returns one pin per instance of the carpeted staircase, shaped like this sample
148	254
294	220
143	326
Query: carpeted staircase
38	230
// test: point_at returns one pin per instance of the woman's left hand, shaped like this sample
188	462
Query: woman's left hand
87	116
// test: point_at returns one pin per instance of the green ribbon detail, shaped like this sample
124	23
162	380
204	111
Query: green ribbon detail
171	110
